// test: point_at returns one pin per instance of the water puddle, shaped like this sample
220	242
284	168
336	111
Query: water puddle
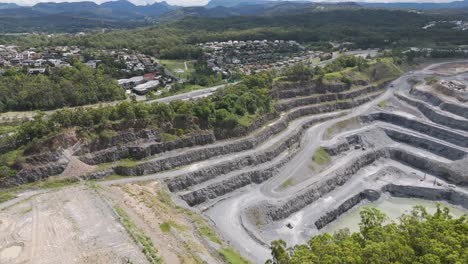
393	207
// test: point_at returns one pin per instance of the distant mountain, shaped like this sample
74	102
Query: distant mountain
84	15
415	5
56	8
254	8
8	5
231	3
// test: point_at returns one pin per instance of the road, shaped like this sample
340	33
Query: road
9	116
201	93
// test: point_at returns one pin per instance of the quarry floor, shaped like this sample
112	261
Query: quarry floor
81	223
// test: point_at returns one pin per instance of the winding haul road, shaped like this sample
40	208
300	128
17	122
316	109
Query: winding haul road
226	213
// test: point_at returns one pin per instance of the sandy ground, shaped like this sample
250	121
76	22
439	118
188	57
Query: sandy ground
79	224
71	225
451	68
149	206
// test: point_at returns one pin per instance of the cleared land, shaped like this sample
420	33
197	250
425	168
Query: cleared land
288	179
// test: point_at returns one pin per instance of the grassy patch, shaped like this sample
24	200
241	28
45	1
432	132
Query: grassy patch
104	166
246	120
382	104
139	237
286	183
54	184
340	126
431	80
26	210
321	157
4	129
257	216
10	194
165	227
177	67
208	233
127	163
168	137
165	198
113	177
231	256
6	196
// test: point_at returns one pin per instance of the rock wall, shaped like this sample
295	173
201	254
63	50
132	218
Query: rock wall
316	99
454	172
436	194
34	173
233	183
434	115
291	91
461	96
455	109
332	215
451	172
314	192
141	151
418	126
429	145
190	179
200	154
122	138
343	145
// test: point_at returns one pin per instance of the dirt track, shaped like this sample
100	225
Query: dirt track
72	225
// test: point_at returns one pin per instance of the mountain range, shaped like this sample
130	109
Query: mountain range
78	16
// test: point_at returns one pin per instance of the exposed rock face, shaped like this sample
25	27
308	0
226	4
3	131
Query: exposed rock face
195	155
436	116
122	138
140	151
243	131
34	173
429	145
332	215
422	127
343	145
436	194
232	183
184	181
452	172
42	158
289	91
436	101
314	192
316	99
444	87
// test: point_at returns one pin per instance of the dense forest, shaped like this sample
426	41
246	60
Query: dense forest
366	28
418	237
70	86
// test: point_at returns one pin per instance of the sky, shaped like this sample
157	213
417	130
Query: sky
193	2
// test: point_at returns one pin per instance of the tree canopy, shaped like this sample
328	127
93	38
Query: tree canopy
419	237
71	86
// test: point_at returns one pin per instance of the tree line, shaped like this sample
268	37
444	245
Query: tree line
419	237
70	86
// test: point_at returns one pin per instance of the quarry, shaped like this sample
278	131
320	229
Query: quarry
324	153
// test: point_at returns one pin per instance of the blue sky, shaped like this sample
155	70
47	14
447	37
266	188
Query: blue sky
191	2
